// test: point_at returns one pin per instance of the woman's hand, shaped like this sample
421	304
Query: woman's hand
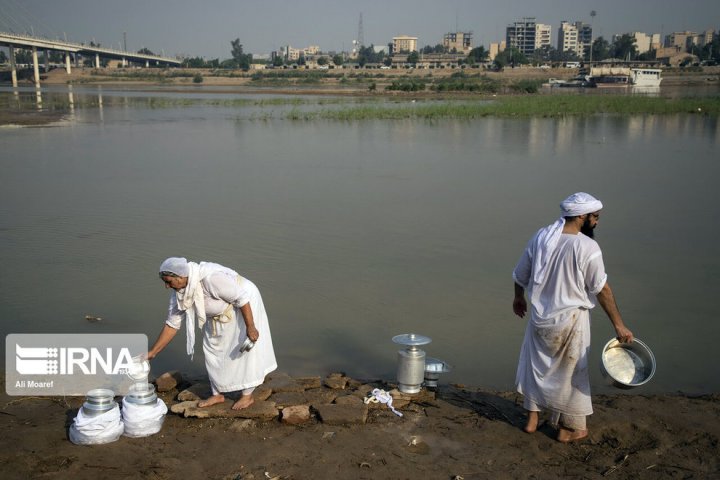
253	333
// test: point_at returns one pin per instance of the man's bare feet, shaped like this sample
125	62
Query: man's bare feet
215	399
566	435
244	402
532	422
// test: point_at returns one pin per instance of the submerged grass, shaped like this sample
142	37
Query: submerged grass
526	106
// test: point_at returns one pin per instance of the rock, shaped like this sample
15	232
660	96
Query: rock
262	392
287	399
309	382
296	415
320	395
195	392
168	381
363	391
259	411
349	400
179	408
332	414
282	382
336	382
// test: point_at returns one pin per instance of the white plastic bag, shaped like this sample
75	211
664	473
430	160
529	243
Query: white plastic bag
143	420
95	430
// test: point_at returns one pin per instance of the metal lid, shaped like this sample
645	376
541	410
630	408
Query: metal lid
411	339
436	366
142	394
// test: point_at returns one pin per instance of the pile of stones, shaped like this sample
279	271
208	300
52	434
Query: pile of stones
333	400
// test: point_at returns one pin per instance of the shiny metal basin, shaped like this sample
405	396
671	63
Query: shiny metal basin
627	365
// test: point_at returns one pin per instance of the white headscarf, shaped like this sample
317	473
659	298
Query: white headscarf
190	299
546	240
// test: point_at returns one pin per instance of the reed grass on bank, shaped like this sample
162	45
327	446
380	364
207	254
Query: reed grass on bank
524	106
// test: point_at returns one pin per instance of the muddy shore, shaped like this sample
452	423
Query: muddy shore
461	433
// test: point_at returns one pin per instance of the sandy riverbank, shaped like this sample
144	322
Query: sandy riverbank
463	433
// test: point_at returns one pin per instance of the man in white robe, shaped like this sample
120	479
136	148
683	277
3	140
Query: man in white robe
563	271
228	309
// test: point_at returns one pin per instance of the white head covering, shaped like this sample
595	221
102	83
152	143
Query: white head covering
579	204
546	239
176	265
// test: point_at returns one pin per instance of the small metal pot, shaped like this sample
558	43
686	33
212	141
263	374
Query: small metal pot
247	345
98	401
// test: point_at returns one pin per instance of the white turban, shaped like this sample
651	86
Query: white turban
177	265
546	240
580	203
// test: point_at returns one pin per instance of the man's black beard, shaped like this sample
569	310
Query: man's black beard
587	229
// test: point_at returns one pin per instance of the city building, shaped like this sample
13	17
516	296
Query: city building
645	42
568	38
687	41
585	38
403	43
527	35
460	42
495	49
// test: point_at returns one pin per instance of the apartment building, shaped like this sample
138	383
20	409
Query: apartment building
527	35
404	43
685	41
568	38
645	42
460	42
495	49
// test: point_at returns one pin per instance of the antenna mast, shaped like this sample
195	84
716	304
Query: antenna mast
360	39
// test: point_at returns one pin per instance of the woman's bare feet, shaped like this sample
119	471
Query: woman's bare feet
566	435
215	399
244	402
532	422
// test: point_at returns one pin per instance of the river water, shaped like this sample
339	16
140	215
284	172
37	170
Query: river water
355	231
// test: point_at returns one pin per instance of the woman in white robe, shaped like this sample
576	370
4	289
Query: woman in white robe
228	309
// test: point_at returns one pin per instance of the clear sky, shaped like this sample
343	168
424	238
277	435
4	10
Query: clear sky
206	27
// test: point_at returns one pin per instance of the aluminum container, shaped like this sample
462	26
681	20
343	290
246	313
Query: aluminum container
411	370
433	369
627	365
142	394
98	401
247	345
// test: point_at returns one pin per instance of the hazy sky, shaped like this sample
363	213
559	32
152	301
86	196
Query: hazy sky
205	28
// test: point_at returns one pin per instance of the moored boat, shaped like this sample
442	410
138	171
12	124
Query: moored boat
646	77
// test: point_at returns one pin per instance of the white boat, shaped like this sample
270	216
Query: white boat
645	77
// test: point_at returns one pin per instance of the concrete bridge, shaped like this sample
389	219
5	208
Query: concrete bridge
13	40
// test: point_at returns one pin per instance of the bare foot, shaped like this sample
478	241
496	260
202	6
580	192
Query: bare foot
566	435
532	422
219	398
244	402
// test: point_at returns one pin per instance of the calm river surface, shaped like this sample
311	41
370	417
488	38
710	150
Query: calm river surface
356	232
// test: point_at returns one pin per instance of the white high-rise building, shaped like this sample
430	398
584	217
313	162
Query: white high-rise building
568	38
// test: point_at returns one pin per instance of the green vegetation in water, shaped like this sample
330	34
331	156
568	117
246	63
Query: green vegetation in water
525	106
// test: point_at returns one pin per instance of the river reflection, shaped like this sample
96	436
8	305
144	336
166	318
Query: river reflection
356	232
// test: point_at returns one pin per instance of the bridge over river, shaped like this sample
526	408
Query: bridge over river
14	40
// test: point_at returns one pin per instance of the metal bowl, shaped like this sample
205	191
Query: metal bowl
139	369
142	394
433	369
98	401
627	365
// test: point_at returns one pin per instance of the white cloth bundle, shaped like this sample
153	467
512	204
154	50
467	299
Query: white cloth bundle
95	430
143	420
381	396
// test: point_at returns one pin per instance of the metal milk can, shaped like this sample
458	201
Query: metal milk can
411	362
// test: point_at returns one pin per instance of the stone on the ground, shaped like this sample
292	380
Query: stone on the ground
282	382
332	414
179	408
262	392
320	395
349	400
288	399
336	381
296	415
168	381
309	382
195	392
259	411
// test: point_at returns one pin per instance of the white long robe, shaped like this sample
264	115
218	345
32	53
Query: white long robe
229	370
553	366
